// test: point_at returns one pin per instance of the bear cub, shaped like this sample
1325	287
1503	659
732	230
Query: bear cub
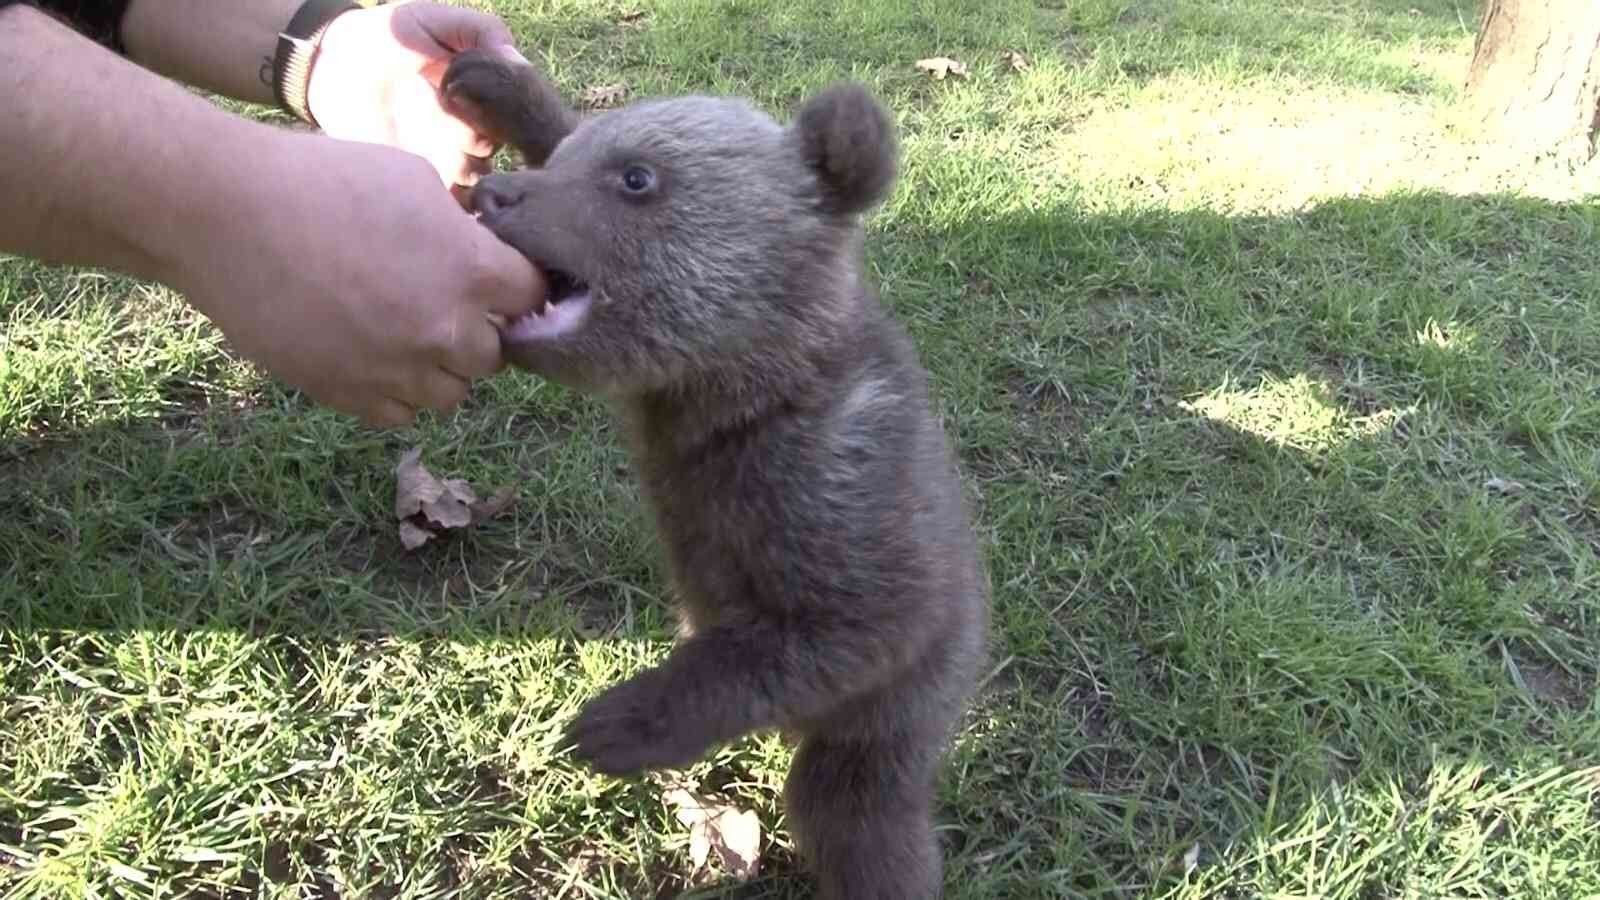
707	281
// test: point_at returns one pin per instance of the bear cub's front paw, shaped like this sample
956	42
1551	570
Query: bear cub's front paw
486	90
631	727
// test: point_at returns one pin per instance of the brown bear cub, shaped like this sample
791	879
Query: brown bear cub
707	281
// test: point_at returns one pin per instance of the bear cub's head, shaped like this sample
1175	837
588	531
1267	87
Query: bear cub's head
683	236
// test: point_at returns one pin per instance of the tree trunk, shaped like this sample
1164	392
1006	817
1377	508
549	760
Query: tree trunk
1535	75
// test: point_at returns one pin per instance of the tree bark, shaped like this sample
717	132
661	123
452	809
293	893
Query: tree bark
1535	76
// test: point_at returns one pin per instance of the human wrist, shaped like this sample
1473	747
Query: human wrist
326	76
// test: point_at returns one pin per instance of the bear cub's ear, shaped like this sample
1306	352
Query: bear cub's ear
848	140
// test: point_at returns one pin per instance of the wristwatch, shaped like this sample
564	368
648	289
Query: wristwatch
298	44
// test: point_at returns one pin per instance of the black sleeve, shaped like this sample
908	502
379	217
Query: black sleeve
99	20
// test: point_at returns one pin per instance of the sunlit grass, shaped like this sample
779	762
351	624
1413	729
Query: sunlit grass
1294	413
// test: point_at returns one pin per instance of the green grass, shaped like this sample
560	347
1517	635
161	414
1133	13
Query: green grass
1279	400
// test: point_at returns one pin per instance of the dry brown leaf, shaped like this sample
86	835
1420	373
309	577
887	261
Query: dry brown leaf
413	535
941	66
426	505
453	509
603	96
734	834
414	485
1016	61
458	489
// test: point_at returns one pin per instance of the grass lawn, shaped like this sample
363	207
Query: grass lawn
1279	402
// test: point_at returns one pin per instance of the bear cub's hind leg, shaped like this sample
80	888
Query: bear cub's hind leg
860	812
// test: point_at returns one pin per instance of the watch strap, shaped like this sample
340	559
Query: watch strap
298	44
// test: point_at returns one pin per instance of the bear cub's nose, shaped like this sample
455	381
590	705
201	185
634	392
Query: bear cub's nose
495	194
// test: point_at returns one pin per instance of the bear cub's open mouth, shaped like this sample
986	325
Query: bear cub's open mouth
564	306
563	286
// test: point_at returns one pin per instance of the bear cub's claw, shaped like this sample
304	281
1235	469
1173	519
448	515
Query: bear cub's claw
508	102
484	90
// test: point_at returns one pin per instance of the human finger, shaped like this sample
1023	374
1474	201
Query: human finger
467	177
472	170
387	412
505	281
454	28
458	132
456	169
453	165
476	352
443	390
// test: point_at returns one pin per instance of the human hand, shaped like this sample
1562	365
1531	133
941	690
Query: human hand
376	79
343	269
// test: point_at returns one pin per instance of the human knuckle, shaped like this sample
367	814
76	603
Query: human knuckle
396	416
452	399
438	341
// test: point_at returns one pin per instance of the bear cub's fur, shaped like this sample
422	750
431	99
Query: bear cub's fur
707	281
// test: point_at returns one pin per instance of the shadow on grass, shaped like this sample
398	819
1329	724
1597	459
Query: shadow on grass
280	520
1293	519
1233	475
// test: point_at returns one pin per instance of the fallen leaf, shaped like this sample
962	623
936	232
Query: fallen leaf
414	485
1016	61
734	834
426	505
413	535
460	490
603	96
1191	858
453	509
941	66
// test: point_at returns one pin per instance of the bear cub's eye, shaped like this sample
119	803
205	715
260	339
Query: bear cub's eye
638	179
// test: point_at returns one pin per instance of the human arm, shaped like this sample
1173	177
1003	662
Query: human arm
223	46
341	267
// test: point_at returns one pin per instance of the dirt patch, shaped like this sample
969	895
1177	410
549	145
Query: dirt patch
223	529
1044	405
1184	143
1553	685
9	863
550	873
